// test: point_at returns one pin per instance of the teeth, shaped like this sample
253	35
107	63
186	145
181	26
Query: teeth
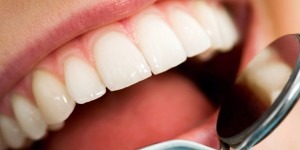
82	81
51	97
158	43
56	127
206	15
192	36
119	62
266	76
271	78
28	117
228	30
11	132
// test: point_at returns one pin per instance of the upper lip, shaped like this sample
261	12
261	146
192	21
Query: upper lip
16	61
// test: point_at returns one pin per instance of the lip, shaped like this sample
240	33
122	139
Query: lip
17	60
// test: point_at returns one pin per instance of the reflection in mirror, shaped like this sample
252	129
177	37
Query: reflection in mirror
256	89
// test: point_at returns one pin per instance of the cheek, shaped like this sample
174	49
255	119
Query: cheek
279	17
289	128
287	20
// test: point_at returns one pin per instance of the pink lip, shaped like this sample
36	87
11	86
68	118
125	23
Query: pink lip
16	62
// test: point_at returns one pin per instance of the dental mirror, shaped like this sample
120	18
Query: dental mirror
263	94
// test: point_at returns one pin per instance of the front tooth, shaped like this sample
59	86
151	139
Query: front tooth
206	15
11	132
82	81
158	43
119	62
51	97
192	36
28	117
228	30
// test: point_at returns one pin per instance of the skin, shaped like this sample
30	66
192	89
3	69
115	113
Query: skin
25	39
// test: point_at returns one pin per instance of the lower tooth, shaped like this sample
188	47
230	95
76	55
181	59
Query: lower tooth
28	117
82	81
119	62
158	43
51	97
193	38
11	133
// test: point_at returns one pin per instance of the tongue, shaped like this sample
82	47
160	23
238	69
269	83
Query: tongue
161	108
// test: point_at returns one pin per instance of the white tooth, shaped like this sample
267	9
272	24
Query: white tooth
82	81
51	97
28	117
209	21
228	30
192	36
262	57
158	43
207	55
119	62
56	127
268	79
11	133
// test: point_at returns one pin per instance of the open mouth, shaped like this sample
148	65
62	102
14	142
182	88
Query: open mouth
150	77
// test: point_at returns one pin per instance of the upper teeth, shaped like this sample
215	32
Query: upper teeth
190	33
82	81
158	43
51	97
13	136
33	124
117	56
119	61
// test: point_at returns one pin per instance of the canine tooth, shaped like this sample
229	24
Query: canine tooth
206	15
28	117
51	97
228	30
192	36
119	62
56	127
12	135
158	43
82	81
